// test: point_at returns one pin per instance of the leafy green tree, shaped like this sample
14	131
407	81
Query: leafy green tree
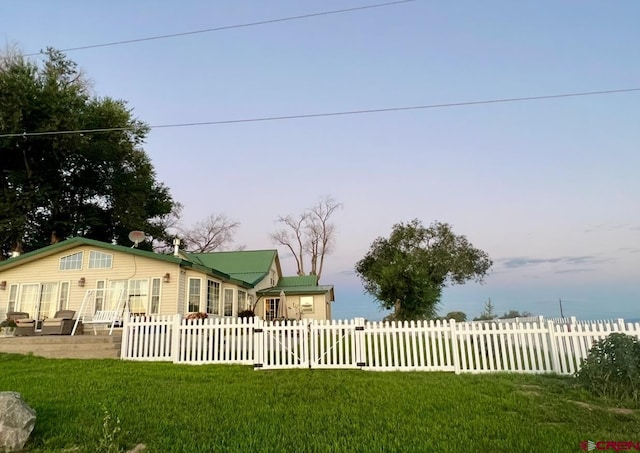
458	316
407	271
99	185
515	314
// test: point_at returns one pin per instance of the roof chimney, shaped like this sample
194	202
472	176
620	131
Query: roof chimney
176	247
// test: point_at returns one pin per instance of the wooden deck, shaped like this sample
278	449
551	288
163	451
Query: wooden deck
86	346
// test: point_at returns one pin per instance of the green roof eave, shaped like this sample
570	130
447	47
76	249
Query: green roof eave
275	291
79	241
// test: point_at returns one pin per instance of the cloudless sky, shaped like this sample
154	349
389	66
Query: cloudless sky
549	188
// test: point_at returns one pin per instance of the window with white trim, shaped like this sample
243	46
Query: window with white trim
228	302
306	304
213	297
242	301
100	290
194	295
138	295
154	306
271	308
63	296
71	262
13	298
99	260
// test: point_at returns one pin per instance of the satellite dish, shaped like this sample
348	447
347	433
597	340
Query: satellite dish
136	237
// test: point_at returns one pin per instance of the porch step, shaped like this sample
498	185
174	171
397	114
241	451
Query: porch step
64	346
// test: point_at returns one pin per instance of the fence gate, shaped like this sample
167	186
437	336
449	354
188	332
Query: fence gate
281	344
337	344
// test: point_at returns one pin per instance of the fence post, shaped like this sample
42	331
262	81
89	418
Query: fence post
573	321
258	343
455	350
175	338
359	343
125	336
621	325
553	347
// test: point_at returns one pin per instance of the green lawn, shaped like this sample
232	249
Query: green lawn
233	408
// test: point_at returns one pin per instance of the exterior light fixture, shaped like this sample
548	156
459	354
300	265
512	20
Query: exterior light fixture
81	282
166	278
3	285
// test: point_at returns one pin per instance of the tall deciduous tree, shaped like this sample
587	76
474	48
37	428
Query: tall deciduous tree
99	185
407	271
311	234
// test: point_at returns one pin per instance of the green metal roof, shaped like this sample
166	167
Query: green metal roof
79	241
298	280
250	266
317	289
299	284
76	241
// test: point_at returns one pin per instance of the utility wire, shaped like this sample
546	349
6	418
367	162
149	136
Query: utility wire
228	27
327	114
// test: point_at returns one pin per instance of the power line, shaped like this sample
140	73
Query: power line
327	114
228	27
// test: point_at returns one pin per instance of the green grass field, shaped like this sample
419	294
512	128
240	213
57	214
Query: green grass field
234	408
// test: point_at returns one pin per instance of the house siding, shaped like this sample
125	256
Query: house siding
319	311
123	267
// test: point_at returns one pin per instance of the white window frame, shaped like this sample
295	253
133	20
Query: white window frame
100	294
190	294
97	259
155	296
272	304
224	301
12	299
63	295
244	306
307	309
141	294
73	264
212	302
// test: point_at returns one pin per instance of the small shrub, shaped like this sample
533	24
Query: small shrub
109	441
246	314
612	368
197	315
8	323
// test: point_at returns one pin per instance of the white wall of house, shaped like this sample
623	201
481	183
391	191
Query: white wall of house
307	306
61	280
211	295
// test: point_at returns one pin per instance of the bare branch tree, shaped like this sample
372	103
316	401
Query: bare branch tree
321	232
213	233
293	239
170	224
310	234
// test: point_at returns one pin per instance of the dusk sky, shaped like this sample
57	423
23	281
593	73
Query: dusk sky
550	189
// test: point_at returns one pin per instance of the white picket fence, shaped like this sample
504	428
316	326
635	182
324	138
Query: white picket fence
473	347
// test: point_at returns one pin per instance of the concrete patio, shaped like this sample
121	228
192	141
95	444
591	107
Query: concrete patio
86	346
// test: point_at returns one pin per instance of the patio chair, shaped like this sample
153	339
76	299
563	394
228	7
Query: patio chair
24	324
61	323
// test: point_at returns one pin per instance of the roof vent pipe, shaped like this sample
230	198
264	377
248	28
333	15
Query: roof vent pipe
176	247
